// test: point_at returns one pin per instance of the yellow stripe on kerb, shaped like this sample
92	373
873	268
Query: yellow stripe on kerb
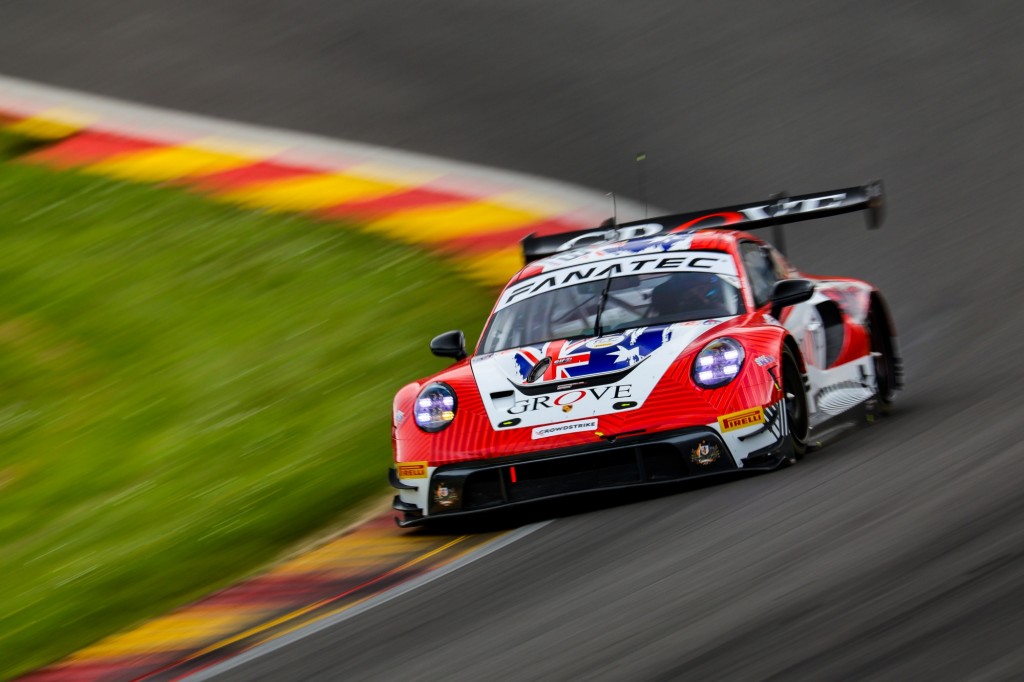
52	124
183	630
432	225
311	192
169	163
342	557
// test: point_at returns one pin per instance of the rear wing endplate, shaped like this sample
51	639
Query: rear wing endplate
778	210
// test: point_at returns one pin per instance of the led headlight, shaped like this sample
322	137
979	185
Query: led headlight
435	407
718	363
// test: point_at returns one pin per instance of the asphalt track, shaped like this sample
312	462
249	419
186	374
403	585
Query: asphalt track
898	552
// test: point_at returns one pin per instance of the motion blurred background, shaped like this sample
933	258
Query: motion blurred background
896	553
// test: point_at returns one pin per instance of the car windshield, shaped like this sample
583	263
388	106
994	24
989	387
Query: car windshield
631	301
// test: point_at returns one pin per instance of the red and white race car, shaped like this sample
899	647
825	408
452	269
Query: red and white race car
644	353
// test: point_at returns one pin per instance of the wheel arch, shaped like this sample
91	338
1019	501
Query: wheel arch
798	442
877	303
789	342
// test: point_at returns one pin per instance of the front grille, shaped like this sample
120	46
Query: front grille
667	458
547	478
484	489
663	462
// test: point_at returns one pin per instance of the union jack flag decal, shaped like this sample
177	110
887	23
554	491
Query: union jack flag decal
568	359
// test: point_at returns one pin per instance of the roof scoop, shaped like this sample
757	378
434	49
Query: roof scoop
538	369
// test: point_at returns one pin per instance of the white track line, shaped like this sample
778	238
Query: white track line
362	607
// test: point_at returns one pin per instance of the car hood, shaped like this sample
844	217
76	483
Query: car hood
585	378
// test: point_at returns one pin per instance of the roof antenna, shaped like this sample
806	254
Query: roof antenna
615	212
642	178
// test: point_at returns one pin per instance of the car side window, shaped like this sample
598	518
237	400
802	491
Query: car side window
760	271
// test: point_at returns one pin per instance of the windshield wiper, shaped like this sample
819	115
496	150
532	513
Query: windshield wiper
601	304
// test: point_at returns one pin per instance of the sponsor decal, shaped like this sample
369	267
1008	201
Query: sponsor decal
566	387
705	453
399	417
764	360
566	408
708	323
606	341
444	495
741	419
564	428
570	397
412	469
692	261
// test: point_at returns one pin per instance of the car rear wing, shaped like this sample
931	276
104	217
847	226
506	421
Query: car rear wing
778	210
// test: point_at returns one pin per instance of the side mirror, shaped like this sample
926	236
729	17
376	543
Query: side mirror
789	292
449	345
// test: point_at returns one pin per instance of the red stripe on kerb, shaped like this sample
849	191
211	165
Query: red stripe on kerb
258	172
88	147
380	207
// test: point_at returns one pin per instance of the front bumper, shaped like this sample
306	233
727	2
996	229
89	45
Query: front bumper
650	459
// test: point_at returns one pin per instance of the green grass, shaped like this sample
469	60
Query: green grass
186	389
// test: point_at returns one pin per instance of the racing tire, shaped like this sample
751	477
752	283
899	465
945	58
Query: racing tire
797	418
886	370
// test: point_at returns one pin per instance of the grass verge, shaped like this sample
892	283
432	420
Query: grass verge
185	390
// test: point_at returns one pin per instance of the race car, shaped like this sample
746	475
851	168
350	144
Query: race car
646	353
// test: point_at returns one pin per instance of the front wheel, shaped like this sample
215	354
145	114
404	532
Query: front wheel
796	404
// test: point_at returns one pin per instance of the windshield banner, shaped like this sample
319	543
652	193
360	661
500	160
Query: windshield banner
634	264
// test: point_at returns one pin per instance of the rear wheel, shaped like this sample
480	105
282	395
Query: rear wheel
885	359
796	404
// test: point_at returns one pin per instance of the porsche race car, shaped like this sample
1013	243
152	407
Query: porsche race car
644	353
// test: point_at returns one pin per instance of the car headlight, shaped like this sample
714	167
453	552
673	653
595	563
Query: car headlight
435	407
718	363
